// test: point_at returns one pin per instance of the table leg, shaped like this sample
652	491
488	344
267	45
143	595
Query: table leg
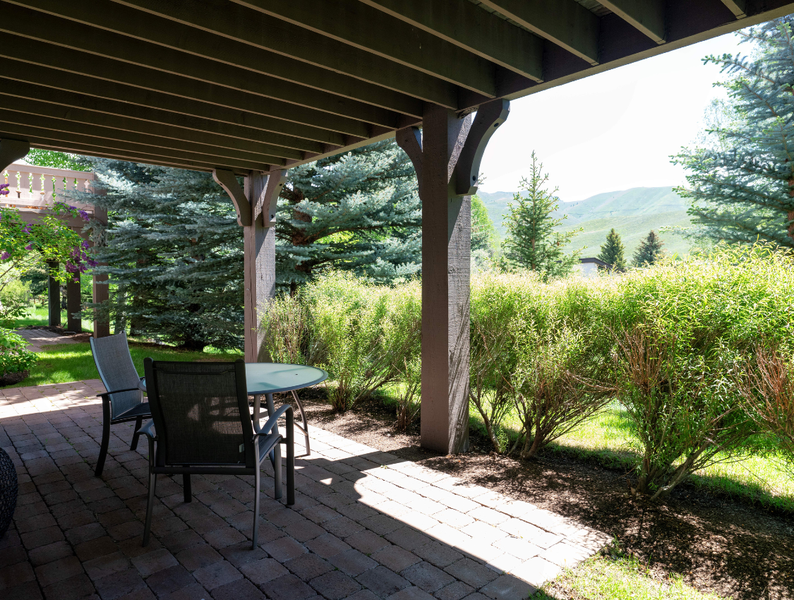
276	451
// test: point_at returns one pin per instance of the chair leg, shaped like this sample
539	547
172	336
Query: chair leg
136	435
186	487
290	459
276	455
257	479
149	508
103	448
304	426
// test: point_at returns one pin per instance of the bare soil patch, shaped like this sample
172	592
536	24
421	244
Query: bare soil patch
717	543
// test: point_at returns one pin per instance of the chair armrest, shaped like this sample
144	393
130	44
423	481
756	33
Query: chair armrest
135	389
271	422
148	430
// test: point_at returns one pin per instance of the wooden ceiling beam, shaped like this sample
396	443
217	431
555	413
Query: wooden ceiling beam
646	15
175	94
565	23
128	117
165	108
737	7
179	51
206	80
67	143
238	43
107	136
373	31
463	24
45	144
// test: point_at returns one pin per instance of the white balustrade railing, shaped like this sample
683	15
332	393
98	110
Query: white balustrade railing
38	188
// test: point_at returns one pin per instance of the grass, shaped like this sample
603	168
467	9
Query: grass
62	363
38	315
618	578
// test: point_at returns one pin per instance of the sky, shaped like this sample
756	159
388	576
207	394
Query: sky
611	131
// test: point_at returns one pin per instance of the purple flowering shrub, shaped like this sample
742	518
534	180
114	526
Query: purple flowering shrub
24	245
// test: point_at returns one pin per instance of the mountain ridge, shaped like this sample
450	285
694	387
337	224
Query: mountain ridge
632	212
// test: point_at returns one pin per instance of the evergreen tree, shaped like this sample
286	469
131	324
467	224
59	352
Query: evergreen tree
358	211
741	176
649	251
484	239
174	254
612	252
532	242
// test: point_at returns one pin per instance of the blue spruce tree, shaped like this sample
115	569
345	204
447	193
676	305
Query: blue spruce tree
358	211
741	180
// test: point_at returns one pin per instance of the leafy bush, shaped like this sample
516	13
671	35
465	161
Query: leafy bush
535	351
14	300
685	330
14	358
366	335
767	386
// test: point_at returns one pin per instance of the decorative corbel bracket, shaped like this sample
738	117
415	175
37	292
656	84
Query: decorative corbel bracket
228	181
467	170
410	140
12	150
267	203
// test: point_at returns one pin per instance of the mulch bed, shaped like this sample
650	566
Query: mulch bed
718	544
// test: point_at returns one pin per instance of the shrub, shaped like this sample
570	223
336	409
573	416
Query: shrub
365	334
684	329
14	358
767	386
287	333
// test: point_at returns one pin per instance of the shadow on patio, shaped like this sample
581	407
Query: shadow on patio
365	525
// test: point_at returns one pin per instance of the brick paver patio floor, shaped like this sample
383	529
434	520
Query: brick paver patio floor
365	525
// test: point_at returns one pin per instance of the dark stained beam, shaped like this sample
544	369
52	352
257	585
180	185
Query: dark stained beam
175	94
566	23
120	115
179	51
371	30
737	7
646	15
228	181
462	23
103	135
12	149
89	145
243	42
49	144
206	80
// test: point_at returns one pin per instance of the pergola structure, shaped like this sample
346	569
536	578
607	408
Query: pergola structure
252	87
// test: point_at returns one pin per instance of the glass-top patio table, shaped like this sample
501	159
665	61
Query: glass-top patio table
266	379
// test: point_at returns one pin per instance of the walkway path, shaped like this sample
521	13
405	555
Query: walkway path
38	339
366	524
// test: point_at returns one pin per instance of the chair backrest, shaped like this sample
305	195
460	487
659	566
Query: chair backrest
200	412
114	363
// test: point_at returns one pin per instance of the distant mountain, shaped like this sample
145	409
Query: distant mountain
633	213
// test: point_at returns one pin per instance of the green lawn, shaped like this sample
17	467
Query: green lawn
38	315
62	363
618	578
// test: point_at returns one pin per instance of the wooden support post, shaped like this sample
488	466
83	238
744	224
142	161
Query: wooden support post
12	150
256	212
100	289
73	305
53	298
447	157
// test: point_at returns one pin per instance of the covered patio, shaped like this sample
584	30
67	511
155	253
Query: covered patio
365	524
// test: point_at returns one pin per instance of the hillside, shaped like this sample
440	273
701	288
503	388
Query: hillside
633	213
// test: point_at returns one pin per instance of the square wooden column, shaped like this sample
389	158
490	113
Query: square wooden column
447	156
53	298
256	212
73	305
100	287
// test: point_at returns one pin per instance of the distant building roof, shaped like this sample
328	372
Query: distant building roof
595	261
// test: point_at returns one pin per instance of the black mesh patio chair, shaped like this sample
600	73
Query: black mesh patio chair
201	424
123	400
